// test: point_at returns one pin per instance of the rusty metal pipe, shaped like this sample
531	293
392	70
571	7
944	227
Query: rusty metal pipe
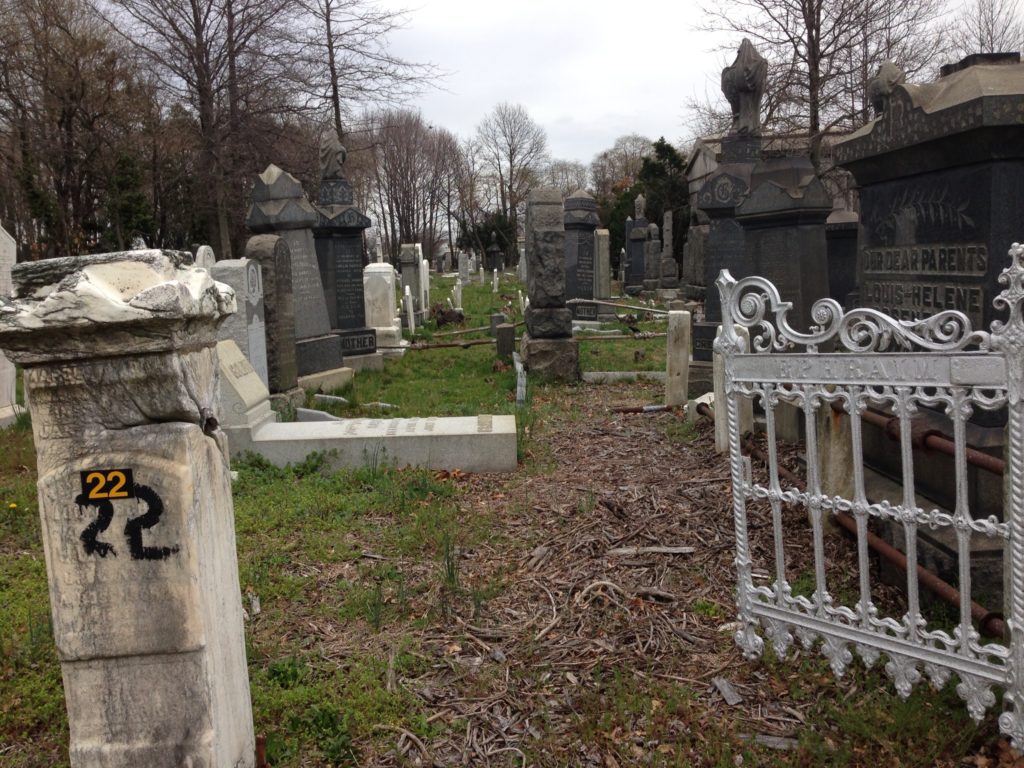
930	439
706	411
261	752
990	623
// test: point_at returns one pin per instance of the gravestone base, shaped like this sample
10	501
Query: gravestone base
633	290
937	550
694	292
549	323
390	343
325	381
584	312
667	294
357	341
371	362
704	340
651	286
318	354
551	359
282	402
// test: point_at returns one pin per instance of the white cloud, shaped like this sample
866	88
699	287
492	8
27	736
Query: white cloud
588	72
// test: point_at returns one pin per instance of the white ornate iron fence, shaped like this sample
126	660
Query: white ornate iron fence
940	362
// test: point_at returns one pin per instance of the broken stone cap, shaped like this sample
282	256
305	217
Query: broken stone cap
545	196
110	304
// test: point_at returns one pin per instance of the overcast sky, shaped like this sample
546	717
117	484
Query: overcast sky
588	72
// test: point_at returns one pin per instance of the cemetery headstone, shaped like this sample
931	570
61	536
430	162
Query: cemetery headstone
581	220
636	240
424	286
135	505
247	326
8	374
410	310
497	318
379	299
669	278
940	173
494	258
743	84
494	282
547	346
505	340
279	206
339	250
652	258
457	294
463	267
693	254
411	276
841	228
205	257
784	236
271	253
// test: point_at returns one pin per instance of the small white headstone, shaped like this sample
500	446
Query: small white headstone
379	295
205	257
424	285
410	310
247	327
8	375
494	282
138	244
457	295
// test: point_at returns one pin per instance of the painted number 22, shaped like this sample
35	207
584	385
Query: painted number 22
107	484
99	487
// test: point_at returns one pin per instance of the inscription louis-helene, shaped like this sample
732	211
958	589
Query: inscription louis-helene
912	282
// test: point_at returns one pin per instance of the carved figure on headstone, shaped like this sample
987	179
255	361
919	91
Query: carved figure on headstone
743	84
332	157
880	89
640	206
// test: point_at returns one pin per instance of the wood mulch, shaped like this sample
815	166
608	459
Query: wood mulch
614	553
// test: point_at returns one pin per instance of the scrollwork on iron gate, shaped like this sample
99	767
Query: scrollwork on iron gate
940	362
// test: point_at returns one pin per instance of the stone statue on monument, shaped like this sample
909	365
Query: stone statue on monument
743	84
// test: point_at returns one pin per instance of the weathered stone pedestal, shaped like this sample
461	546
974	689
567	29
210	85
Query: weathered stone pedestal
135	504
547	347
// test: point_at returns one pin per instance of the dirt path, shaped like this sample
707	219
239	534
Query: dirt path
599	649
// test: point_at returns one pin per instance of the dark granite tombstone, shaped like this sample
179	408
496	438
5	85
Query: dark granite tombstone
549	350
652	258
339	250
784	238
494	257
841	241
581	220
743	85
280	207
941	175
271	253
669	277
636	244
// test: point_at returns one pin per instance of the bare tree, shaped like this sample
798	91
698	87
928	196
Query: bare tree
567	176
222	58
343	57
986	26
513	148
72	102
414	178
617	168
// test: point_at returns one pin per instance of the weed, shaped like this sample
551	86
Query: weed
707	609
